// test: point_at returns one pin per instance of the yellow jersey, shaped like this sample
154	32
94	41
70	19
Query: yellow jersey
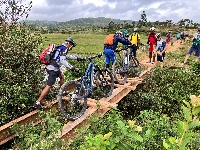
134	38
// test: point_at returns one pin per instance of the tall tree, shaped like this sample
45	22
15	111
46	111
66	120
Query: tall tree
144	18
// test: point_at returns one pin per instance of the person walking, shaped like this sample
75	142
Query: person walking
135	40
110	46
53	69
152	42
160	49
195	47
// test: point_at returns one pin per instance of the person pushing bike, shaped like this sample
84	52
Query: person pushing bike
53	69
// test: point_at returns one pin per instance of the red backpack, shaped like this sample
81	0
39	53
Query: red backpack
48	54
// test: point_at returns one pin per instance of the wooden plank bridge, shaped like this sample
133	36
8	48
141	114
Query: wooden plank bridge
68	130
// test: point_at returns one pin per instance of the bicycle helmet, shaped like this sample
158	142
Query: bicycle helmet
118	32
135	29
126	35
69	39
157	35
152	29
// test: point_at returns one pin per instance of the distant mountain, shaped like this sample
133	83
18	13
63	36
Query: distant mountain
100	21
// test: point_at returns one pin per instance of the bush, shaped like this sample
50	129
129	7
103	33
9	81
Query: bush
20	69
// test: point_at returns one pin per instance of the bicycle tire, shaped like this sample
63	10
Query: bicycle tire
77	106
119	72
135	67
104	82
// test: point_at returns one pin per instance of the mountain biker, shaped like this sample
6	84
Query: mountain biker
168	36
160	49
53	69
178	36
152	42
135	40
125	33
109	50
182	37
195	46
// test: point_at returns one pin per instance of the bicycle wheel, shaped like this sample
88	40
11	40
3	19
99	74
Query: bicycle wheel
135	68
120	72
104	82
71	100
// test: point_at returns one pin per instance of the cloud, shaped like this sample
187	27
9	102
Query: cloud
162	10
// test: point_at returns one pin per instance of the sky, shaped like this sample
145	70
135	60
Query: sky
156	10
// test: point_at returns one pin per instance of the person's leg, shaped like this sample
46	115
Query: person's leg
62	77
134	51
197	53
189	53
51	80
150	52
107	57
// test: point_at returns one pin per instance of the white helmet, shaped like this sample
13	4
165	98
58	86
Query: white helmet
135	29
152	29
118	32
157	35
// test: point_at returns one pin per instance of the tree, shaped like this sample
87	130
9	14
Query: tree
20	70
144	18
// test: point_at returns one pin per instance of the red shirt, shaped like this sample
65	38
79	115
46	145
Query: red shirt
152	38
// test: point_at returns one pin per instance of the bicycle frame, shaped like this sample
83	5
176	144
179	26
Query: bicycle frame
87	80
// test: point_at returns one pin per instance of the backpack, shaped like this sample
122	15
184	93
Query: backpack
109	39
48	54
132	37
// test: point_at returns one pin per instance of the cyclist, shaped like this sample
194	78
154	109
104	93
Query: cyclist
168	36
182	37
160	49
125	33
54	68
135	40
195	46
178	36
109	49
152	42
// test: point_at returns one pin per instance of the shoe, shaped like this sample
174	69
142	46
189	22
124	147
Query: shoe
38	106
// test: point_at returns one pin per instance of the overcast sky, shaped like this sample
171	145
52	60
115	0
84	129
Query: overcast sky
162	10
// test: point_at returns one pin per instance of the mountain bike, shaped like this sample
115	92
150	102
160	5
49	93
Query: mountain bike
75	93
125	65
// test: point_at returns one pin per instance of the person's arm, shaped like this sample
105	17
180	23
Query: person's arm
64	62
123	40
164	47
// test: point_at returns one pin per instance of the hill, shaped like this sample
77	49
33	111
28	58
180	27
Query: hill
84	22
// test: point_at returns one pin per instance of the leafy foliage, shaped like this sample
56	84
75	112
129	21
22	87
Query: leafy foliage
162	91
20	69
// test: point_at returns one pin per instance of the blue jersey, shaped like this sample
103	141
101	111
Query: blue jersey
62	49
117	39
178	35
160	45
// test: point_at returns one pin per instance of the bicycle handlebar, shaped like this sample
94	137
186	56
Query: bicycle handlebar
92	57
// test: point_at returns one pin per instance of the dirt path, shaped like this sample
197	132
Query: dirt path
170	48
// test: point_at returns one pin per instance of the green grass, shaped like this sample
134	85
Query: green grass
86	43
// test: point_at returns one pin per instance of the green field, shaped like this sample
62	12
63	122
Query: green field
86	43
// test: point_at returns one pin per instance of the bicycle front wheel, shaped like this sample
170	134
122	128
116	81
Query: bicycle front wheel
135	68
72	100
104	82
120	72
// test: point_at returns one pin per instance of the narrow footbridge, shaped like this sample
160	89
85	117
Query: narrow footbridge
68	130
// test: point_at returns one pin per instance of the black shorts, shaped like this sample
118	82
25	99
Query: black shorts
52	76
161	58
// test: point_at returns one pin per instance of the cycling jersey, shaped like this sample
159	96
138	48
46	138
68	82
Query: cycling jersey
134	38
160	45
60	59
196	40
